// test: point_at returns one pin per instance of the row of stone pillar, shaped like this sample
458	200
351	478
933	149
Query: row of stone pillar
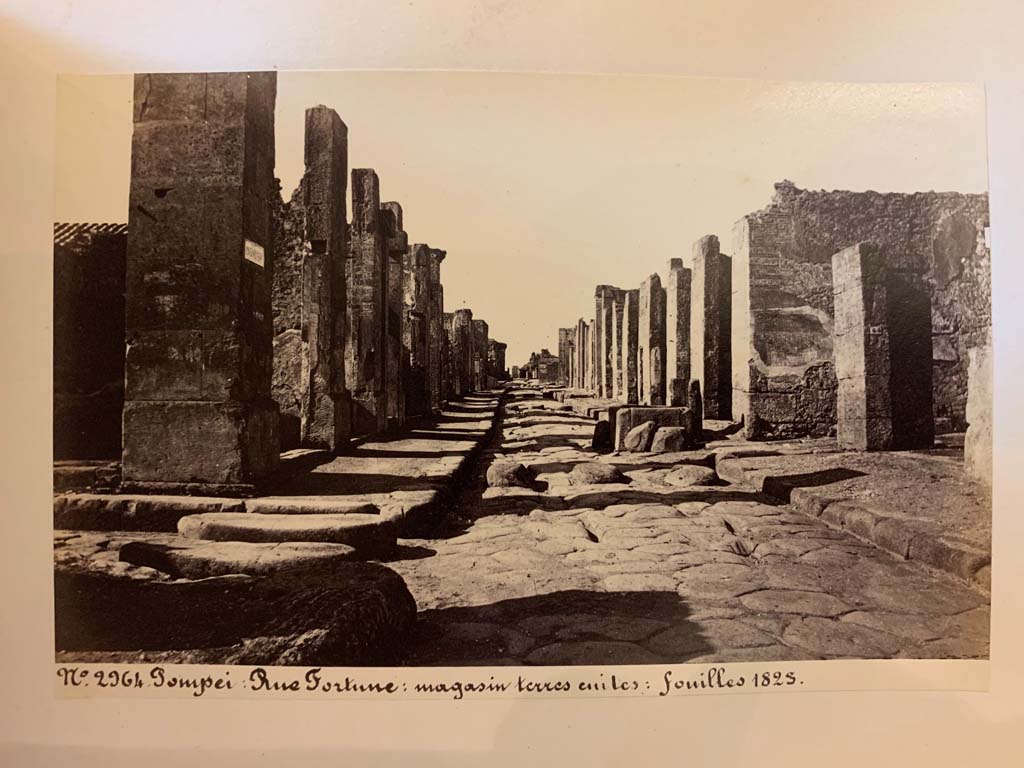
645	345
252	324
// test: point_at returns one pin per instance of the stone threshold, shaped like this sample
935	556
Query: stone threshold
870	522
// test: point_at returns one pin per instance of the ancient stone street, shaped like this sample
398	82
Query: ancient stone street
675	565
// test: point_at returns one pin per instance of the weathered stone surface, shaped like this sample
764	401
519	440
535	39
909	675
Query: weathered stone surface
840	638
882	353
651	342
628	418
132	512
368	534
509	474
710	326
638	439
309	292
794	601
603	439
677	333
203	560
352	613
689	474
366	280
978	440
782	296
593	473
670	440
198	310
399	275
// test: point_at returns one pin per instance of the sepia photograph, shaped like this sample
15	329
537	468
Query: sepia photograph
477	369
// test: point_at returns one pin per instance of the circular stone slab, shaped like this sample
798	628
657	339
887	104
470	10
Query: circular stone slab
366	533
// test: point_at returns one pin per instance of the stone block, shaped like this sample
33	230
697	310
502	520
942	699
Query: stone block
677	333
651	342
627	418
978	440
670	440
199	324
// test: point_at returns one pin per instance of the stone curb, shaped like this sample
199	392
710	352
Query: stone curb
896	535
159	513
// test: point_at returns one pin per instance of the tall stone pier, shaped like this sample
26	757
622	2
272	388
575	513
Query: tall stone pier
396	245
628	351
883	353
604	319
594	356
480	367
496	359
365	368
198	413
435	328
677	333
566	342
581	352
651	342
462	351
449	371
710	327
309	293
415	344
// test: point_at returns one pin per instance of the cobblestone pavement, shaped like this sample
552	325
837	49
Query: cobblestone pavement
675	565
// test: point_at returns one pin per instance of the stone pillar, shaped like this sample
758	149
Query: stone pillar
198	414
565	344
883	353
978	440
581	355
416	350
677	333
630	342
711	327
651	343
435	327
619	377
496	359
480	331
594	357
365	366
396	244
309	293
449	387
462	351
604	319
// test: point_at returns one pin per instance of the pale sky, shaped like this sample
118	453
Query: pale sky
542	186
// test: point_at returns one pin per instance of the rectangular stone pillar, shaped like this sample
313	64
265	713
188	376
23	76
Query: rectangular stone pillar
594	357
365	366
480	331
651	342
448	384
496	360
435	327
414	330
309	293
604	318
711	327
677	333
462	351
630	341
198	414
565	345
883	353
580	354
394	286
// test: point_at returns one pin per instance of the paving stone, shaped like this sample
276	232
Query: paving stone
274	505
590	652
639	582
794	601
521	558
704	557
698	589
838	638
625	628
759	653
507	474
680	642
913	627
